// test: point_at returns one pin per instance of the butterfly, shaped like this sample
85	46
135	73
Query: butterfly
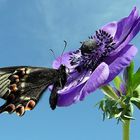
22	87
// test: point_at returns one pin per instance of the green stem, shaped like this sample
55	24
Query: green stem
126	130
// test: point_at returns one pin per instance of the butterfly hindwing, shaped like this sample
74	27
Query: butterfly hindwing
23	86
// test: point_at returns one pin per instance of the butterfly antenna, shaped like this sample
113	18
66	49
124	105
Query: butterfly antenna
64	47
53	53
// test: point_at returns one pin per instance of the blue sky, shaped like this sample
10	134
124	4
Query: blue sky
28	29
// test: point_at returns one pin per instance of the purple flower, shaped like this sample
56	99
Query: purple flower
99	60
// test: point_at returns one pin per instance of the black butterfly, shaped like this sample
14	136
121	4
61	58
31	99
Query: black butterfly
22	86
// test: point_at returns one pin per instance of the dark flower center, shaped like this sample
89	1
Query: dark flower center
93	51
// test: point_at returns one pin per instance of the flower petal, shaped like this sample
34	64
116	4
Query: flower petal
67	98
120	30
123	88
131	35
110	28
125	25
119	61
98	77
77	93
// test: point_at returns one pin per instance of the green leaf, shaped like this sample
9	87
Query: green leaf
118	115
128	72
135	99
128	76
136	92
136	79
108	91
117	82
136	102
128	117
112	109
131	109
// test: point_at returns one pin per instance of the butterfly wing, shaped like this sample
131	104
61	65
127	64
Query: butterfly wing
23	86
